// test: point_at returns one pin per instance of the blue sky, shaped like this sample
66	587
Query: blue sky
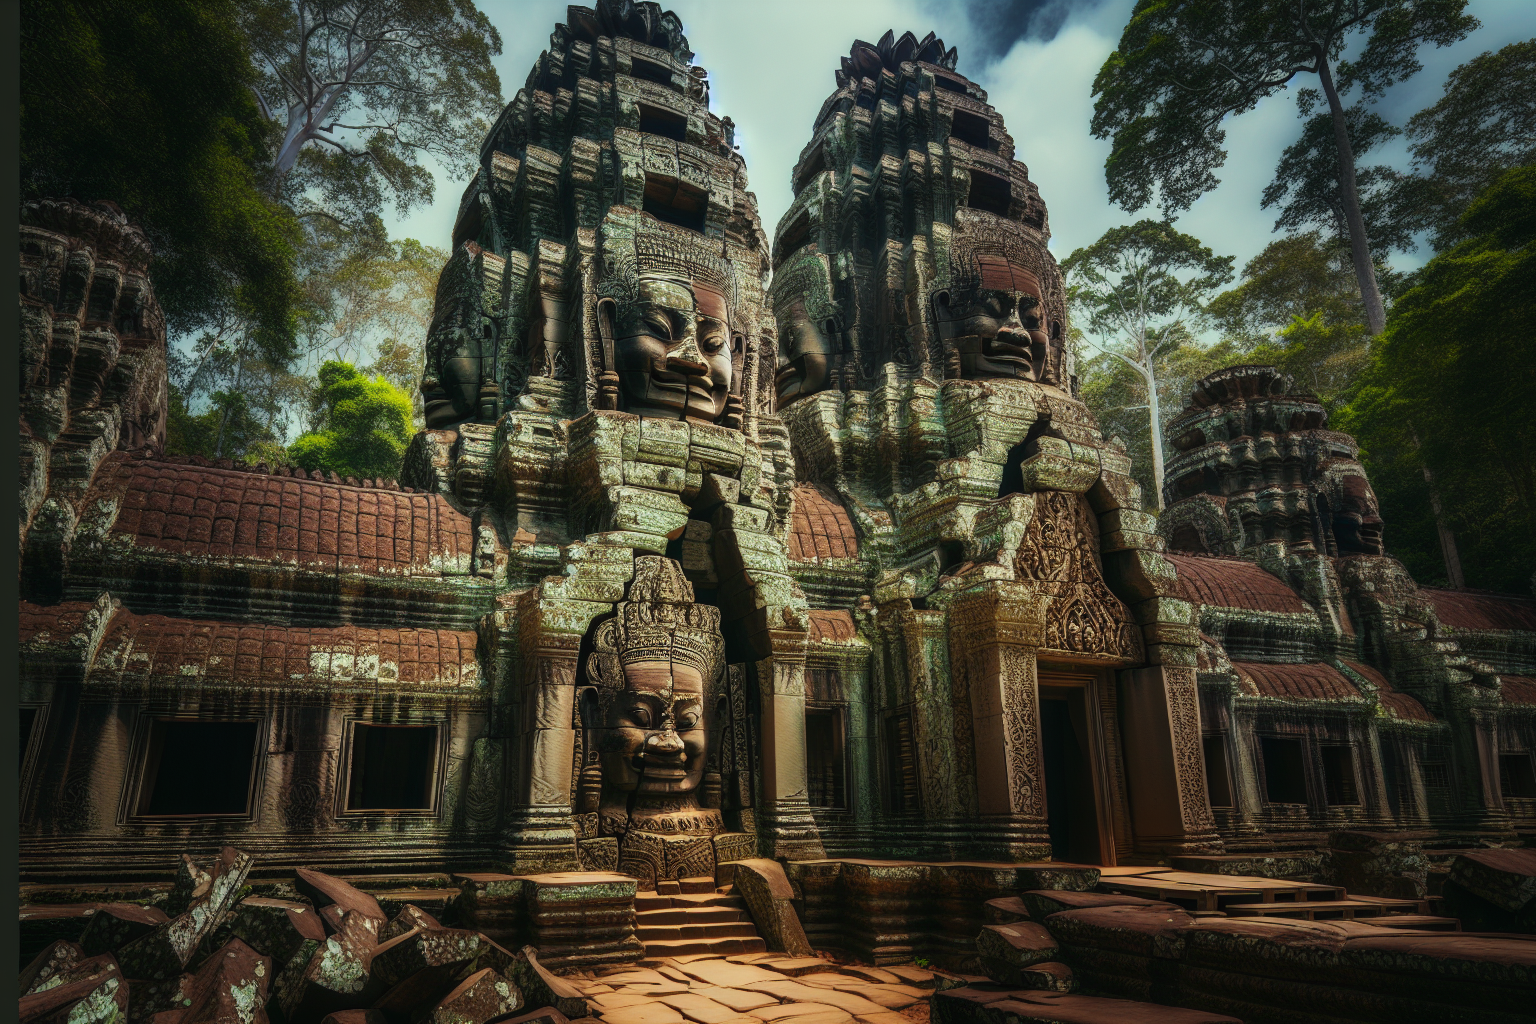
771	67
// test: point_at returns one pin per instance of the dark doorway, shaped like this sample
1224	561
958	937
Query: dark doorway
200	768
28	719
1218	780
824	758
392	768
666	123
900	765
1071	803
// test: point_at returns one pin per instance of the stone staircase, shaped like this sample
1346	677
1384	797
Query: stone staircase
693	916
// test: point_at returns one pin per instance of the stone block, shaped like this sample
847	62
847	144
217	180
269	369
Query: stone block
326	890
1379	864
1504	878
339	974
116	924
599	854
1048	977
1042	903
765	887
165	951
650	475
421	949
735	516
56	958
1005	949
1147	931
1006	910
1060	465
483	996
274	928
93	991
231	985
409	918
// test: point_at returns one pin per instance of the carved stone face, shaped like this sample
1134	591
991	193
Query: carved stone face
654	743
458	393
806	348
999	328
1357	524
672	349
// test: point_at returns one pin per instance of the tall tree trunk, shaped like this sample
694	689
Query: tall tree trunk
1349	198
1157	432
1448	550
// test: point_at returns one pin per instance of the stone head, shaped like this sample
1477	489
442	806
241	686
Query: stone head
665	317
652	664
1357	523
809	325
994	322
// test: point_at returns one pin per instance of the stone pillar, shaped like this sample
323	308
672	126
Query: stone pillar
785	829
863	785
996	629
1165	762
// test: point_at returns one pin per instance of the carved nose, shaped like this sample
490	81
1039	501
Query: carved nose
664	745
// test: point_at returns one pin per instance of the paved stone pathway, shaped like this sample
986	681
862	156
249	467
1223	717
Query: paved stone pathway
755	988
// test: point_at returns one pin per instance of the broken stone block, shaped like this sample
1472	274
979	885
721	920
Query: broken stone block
338	975
493	905
483	996
770	901
325	890
1048	977
1006	949
409	918
274	928
116	924
1006	910
424	948
42	925
191	883
165	951
1504	878
333	914
536	983
1042	903
60	956
1379	864
230	986
93	991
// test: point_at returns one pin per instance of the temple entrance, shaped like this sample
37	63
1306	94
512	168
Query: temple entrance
1077	813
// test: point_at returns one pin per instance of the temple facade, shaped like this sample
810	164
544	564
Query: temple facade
717	548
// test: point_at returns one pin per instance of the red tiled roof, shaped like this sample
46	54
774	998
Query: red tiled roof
1233	583
1402	705
201	510
830	624
56	622
819	527
1311	681
1462	609
141	648
1518	689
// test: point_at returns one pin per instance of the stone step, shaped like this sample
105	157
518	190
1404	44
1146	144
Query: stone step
1428	922
697	930
1419	906
689	915
694	886
708	947
1322	910
687	901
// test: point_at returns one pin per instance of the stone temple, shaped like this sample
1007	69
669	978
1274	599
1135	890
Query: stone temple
743	598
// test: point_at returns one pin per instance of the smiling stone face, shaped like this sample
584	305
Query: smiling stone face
996	326
806	348
655	741
671	344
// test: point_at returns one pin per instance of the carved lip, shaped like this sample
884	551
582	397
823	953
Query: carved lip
668	381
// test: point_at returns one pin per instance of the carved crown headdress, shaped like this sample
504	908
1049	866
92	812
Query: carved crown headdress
658	622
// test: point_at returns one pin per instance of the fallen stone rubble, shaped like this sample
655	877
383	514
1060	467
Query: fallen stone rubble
211	953
1047	951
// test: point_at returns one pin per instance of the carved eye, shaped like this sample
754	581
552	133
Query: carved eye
711	341
687	720
657	324
641	716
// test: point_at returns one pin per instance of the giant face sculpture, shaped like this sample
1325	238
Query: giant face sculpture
646	747
1356	520
995	323
671	347
809	326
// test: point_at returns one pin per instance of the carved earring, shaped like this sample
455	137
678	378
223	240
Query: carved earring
589	790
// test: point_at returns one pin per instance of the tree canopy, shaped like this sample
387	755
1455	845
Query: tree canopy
1448	390
1137	290
1182	66
148	103
363	425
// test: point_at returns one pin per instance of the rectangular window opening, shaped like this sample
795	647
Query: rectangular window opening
666	123
989	193
651	72
393	768
824	759
1516	776
1436	775
1218	782
675	203
953	85
971	129
198	768
1339	776
1285	780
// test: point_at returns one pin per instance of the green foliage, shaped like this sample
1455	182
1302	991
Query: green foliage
1448	390
147	103
363	425
1184	65
358	90
1484	125
229	428
1298	307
